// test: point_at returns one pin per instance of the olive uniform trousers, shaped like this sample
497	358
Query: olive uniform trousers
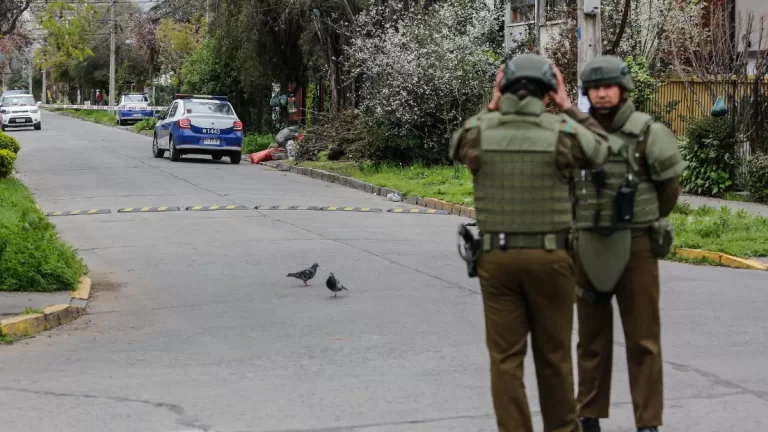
529	290
637	295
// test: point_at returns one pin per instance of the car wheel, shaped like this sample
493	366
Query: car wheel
175	153
156	150
39	125
216	157
235	158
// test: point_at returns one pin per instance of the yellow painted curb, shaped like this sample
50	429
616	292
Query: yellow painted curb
84	291
726	260
53	316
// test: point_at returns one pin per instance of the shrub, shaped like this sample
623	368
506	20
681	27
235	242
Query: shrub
710	153
757	177
8	142
145	124
7	162
253	143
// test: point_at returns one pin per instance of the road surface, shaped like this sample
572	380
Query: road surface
193	325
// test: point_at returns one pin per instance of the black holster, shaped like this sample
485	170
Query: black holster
469	250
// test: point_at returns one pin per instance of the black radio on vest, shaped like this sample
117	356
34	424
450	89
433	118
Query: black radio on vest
625	199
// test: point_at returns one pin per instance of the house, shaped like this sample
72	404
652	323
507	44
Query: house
759	31
520	19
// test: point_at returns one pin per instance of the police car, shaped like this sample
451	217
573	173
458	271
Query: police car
19	110
136	108
198	124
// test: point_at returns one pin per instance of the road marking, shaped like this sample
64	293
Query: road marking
418	211
147	209
283	207
351	209
78	212
217	207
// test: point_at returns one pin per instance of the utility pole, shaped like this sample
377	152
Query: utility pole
44	93
31	70
113	28
590	41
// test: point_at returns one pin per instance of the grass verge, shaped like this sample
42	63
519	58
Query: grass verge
32	256
736	233
98	116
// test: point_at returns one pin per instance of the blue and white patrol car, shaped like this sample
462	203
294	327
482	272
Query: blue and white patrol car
135	107
198	124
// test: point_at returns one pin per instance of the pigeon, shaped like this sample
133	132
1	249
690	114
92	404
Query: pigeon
306	274
334	285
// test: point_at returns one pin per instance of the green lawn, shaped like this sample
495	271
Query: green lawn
98	116
32	257
719	230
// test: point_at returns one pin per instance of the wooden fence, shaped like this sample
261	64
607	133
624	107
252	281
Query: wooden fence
678	101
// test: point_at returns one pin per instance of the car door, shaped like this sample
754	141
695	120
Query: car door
165	125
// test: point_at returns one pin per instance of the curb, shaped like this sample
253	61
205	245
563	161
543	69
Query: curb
469	212
22	326
432	203
724	259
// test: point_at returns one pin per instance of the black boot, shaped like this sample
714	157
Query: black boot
589	424
648	429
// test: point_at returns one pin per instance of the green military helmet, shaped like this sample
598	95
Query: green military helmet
606	70
528	67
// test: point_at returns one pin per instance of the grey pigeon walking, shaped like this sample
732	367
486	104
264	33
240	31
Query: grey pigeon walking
305	275
334	285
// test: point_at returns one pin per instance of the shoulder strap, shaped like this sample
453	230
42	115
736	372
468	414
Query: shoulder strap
637	125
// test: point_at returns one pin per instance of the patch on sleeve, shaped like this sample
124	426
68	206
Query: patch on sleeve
567	127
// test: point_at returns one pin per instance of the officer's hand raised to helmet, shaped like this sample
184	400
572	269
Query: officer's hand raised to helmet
560	97
494	104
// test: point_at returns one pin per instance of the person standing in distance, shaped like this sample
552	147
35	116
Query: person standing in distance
522	159
621	232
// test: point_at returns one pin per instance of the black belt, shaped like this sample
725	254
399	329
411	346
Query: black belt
502	241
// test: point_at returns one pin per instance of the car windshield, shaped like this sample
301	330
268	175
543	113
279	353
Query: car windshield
135	98
19	100
213	107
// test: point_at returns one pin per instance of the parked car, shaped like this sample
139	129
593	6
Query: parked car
18	111
135	108
199	124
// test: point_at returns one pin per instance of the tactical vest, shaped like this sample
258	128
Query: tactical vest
518	188
621	163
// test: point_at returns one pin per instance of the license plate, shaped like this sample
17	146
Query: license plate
214	141
18	120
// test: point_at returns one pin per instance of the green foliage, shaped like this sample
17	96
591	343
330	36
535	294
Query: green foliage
757	177
645	94
32	257
253	143
198	69
710	153
7	162
145	124
8	142
722	230
64	23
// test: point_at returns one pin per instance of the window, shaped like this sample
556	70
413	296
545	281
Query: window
135	98
172	110
213	107
18	100
522	11
556	9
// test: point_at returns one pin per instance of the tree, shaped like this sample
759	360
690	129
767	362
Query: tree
10	13
64	23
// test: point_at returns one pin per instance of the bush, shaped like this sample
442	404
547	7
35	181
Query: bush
7	162
757	177
32	256
253	143
710	153
9	143
145	124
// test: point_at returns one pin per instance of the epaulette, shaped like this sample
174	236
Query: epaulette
470	123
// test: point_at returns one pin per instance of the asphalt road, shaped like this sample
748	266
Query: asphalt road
193	325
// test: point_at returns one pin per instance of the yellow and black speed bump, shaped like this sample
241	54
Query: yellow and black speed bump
148	209
351	209
293	207
214	208
418	211
79	212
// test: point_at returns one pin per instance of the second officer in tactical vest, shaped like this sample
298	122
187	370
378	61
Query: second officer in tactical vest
621	232
522	159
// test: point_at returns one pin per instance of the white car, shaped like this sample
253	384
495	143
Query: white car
18	111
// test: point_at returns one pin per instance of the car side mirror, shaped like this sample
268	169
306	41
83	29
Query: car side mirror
159	116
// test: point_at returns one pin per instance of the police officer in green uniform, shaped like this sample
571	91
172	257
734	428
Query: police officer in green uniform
522	159
621	232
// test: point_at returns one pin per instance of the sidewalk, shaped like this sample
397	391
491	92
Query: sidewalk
698	201
12	303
